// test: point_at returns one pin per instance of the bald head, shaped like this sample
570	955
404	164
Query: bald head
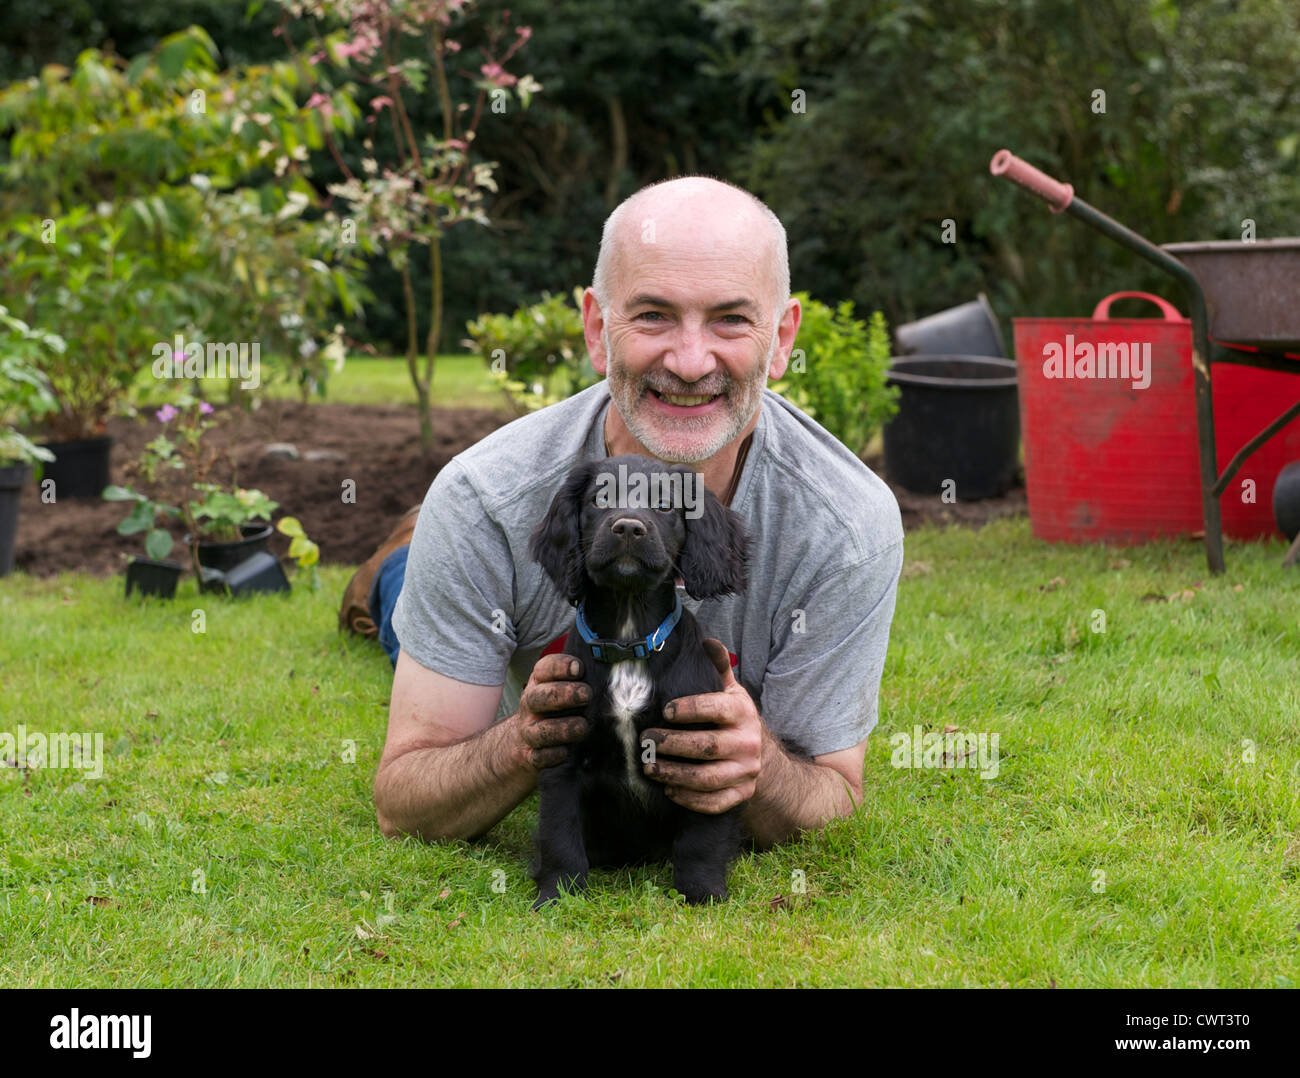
694	213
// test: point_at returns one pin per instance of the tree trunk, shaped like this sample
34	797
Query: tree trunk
435	336
412	355
426	420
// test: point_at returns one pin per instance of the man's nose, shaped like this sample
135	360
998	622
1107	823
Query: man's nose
691	359
629	528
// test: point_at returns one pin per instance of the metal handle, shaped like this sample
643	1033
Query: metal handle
1166	308
1056	194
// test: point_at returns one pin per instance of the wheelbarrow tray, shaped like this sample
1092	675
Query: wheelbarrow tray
1252	290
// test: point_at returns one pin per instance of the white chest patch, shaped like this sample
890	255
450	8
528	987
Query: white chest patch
629	692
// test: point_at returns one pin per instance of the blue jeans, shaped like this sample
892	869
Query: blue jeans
384	590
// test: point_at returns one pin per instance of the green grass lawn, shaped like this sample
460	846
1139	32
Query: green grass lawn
1143	827
459	381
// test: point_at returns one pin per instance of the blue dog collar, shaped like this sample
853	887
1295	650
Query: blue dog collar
613	651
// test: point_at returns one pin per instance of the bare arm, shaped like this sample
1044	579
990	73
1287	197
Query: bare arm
795	794
447	772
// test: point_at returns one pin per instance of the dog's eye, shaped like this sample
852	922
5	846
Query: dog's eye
664	507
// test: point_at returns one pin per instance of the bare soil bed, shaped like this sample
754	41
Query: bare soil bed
377	447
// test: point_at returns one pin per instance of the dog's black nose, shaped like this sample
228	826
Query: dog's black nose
629	528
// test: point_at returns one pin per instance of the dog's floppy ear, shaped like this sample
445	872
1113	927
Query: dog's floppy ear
714	557
556	543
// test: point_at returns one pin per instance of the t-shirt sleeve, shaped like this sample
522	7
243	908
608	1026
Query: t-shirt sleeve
822	684
455	613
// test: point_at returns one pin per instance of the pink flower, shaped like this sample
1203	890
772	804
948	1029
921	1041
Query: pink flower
205	408
363	46
499	76
322	102
166	413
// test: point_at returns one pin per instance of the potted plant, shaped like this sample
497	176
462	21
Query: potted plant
17	456
154	575
25	396
226	524
111	304
230	526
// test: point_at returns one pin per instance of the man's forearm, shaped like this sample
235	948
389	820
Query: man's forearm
455	791
793	795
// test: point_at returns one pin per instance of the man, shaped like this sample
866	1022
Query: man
690	312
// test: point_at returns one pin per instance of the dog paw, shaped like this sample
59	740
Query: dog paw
704	896
550	888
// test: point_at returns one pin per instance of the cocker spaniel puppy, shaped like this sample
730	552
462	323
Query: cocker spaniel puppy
616	536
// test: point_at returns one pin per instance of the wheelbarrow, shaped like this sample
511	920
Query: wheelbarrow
1244	300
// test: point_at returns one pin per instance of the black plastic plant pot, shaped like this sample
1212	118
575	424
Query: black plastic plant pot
958	419
225	556
260	573
1286	500
969	330
12	478
80	468
157	578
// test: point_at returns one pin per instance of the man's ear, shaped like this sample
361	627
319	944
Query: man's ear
556	543
714	557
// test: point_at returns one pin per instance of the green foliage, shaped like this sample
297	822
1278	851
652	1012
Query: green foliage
17	448
258	272
837	372
305	552
25	392
177	464
109	297
144	518
906	103
222	513
537	353
120	230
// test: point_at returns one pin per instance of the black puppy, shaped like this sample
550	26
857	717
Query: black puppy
613	540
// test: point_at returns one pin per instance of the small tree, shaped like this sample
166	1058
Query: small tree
120	228
430	184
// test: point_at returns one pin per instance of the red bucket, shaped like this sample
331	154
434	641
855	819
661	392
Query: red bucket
1108	416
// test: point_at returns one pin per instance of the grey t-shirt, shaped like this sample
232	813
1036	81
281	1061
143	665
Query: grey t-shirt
810	632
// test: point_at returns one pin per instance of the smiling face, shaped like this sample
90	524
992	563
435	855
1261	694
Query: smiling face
690	332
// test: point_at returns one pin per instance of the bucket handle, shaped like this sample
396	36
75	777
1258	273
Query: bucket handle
1167	309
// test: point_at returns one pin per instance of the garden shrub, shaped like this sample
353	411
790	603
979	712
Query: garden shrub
837	372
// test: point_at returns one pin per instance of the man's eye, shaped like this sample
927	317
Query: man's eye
650	314
740	316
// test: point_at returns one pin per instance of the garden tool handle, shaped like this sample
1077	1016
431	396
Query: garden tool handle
1166	308
1056	194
